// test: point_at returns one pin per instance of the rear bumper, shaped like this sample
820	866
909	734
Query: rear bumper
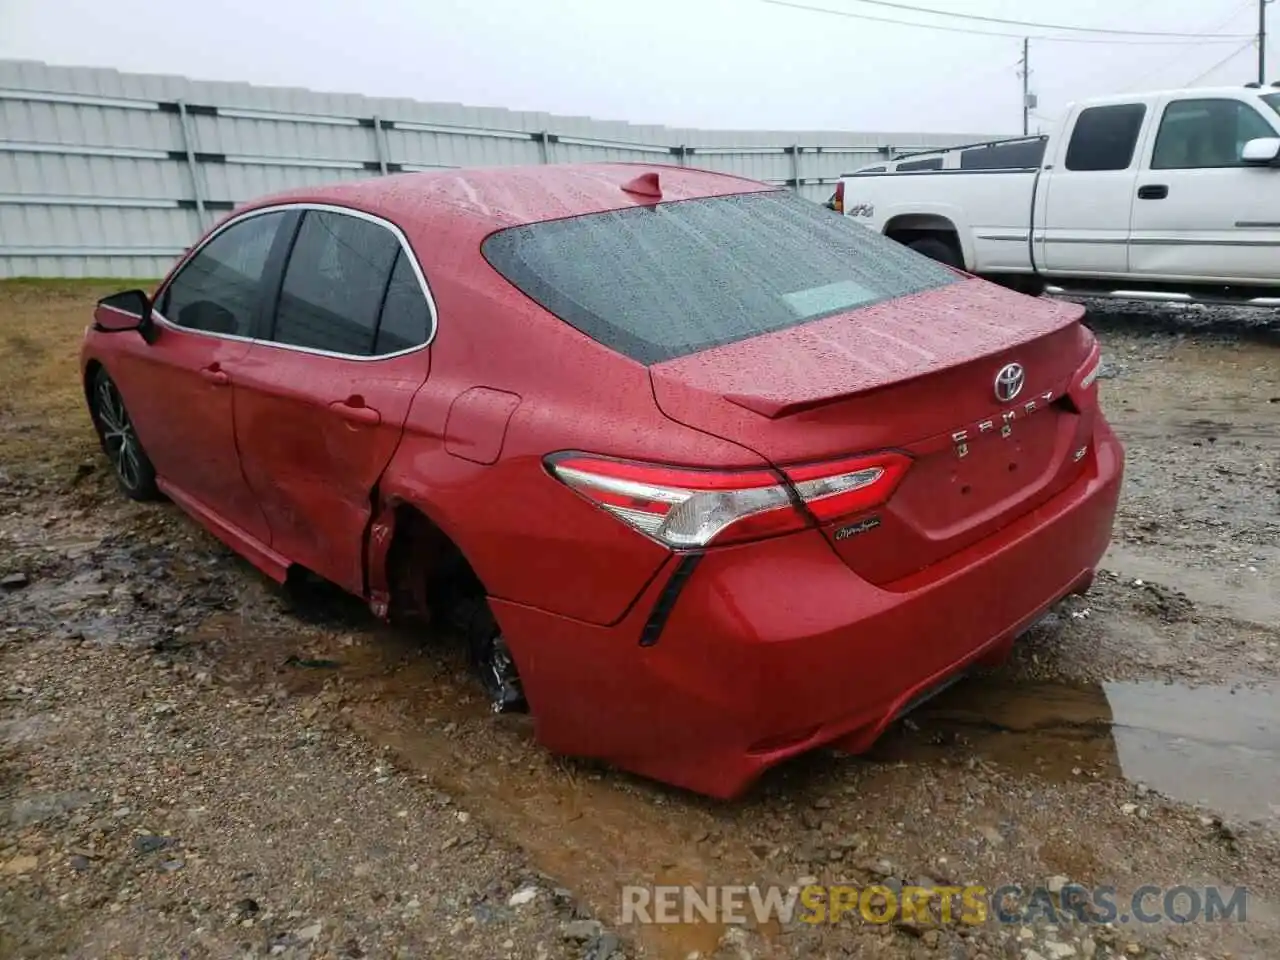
775	648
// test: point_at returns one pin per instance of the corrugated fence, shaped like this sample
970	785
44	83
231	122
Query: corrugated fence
105	173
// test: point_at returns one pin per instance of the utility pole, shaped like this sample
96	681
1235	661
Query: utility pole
1024	71
1262	41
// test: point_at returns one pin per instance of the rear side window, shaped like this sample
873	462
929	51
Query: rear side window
218	290
655	283
406	318
1104	137
334	282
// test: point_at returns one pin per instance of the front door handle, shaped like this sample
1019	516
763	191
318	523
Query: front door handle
353	409
1153	191
215	375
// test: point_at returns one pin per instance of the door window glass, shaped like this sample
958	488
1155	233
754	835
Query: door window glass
1206	133
219	288
334	284
1104	137
406	316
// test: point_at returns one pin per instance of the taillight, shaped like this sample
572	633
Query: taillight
837	202
683	507
1084	383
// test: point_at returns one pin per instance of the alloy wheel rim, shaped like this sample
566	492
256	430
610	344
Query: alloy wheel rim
118	437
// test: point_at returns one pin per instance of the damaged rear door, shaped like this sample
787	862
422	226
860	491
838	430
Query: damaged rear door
321	407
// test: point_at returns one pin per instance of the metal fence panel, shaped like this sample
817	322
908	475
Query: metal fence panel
112	174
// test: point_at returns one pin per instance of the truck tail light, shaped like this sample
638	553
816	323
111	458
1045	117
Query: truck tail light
685	508
837	201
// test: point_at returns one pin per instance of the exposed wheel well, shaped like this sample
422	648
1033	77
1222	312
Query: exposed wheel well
90	371
910	227
427	575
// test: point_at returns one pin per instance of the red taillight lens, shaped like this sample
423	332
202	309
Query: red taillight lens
838	204
841	488
1084	383
684	508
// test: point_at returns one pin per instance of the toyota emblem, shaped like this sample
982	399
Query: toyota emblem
1009	382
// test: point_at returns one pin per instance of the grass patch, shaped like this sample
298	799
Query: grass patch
44	425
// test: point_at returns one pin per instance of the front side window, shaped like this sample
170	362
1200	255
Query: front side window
655	283
1104	138
218	290
1206	133
334	284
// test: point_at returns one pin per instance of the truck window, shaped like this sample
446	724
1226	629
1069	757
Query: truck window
1003	156
933	163
1206	133
1104	137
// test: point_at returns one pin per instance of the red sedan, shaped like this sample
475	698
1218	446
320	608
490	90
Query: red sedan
707	474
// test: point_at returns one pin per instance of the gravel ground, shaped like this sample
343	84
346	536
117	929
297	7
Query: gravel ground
196	763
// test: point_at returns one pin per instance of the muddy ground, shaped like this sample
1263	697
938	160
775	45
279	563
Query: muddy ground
196	763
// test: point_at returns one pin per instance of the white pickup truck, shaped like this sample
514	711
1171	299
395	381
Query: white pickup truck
1161	196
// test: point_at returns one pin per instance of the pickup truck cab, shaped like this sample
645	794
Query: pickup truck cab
1173	195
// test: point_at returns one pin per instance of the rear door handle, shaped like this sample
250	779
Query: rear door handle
1153	191
215	375
353	409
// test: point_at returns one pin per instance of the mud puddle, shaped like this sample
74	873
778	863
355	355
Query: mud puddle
1212	746
591	829
1249	590
596	830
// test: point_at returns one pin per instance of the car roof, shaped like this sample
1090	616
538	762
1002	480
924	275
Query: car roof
500	197
1189	93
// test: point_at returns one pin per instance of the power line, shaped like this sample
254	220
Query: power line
1221	63
1200	41
933	11
1208	31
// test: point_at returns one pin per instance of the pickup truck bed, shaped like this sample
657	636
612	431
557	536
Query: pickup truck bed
1172	195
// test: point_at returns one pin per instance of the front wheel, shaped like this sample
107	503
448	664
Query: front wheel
130	463
939	250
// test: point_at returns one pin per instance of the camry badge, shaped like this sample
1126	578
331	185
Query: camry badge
1009	382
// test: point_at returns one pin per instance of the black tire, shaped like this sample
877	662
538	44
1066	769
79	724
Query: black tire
939	250
489	657
132	467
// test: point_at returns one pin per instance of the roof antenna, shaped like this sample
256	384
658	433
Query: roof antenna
645	185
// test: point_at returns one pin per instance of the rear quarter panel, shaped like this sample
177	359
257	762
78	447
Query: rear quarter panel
990	211
530	539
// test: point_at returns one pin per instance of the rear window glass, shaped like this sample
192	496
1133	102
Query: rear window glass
655	283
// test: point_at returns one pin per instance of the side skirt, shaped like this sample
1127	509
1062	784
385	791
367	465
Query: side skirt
251	548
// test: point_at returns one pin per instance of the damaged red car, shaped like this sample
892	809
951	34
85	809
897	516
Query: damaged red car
706	474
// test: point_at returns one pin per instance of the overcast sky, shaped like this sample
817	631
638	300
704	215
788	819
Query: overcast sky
708	63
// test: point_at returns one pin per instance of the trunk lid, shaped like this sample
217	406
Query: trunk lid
915	374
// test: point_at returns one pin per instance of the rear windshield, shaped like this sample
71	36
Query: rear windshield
655	283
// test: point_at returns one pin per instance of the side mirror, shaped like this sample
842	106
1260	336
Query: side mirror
124	311
1263	151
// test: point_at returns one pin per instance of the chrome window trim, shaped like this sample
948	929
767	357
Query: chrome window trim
325	208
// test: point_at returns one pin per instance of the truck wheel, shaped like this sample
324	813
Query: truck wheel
939	250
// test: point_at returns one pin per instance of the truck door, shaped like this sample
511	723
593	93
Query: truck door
1089	193
1200	213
